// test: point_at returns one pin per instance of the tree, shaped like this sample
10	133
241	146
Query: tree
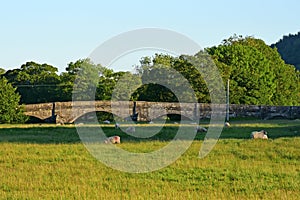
123	85
257	73
2	71
184	74
36	83
107	82
79	81
289	49
154	75
10	110
197	69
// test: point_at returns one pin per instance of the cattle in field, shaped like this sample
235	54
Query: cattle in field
259	135
113	140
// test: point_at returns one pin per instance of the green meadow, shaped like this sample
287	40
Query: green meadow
50	162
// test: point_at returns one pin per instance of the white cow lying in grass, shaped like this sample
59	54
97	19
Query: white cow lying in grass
259	135
113	139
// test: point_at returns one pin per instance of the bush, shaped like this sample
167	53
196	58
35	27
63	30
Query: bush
10	110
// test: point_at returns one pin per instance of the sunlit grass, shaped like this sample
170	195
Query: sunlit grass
50	162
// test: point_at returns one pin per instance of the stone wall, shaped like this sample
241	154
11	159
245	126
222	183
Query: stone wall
255	111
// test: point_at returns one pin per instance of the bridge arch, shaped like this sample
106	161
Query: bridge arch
34	119
95	114
35	116
178	115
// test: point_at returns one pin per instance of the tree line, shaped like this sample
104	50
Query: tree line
289	49
257	73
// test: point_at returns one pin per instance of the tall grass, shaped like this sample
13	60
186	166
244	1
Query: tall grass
38	162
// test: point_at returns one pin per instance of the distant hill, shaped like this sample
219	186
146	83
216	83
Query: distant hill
289	49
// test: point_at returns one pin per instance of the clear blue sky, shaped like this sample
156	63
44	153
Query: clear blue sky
58	32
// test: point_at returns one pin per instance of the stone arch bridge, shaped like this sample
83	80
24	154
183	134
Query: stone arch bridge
68	112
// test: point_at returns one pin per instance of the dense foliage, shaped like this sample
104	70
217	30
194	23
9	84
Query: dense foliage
10	110
172	79
257	73
289	49
35	82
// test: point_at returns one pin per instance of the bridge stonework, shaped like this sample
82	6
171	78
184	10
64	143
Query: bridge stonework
68	112
41	111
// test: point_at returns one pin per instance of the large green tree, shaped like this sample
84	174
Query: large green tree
36	83
153	72
120	86
84	80
10	110
186	75
80	80
256	72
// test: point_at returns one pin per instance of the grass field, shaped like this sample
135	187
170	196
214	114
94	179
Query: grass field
50	162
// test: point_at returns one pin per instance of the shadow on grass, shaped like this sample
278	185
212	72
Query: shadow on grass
40	135
68	134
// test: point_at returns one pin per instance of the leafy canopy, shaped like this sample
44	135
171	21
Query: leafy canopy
256	72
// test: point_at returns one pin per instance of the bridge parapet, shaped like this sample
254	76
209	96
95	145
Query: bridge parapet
42	111
68	112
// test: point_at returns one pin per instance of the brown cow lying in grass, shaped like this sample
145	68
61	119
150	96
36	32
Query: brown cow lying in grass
259	135
113	139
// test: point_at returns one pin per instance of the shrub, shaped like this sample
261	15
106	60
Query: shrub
10	110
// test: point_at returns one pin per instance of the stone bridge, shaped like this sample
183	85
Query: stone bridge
68	112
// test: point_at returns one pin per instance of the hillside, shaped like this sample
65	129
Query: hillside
289	49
